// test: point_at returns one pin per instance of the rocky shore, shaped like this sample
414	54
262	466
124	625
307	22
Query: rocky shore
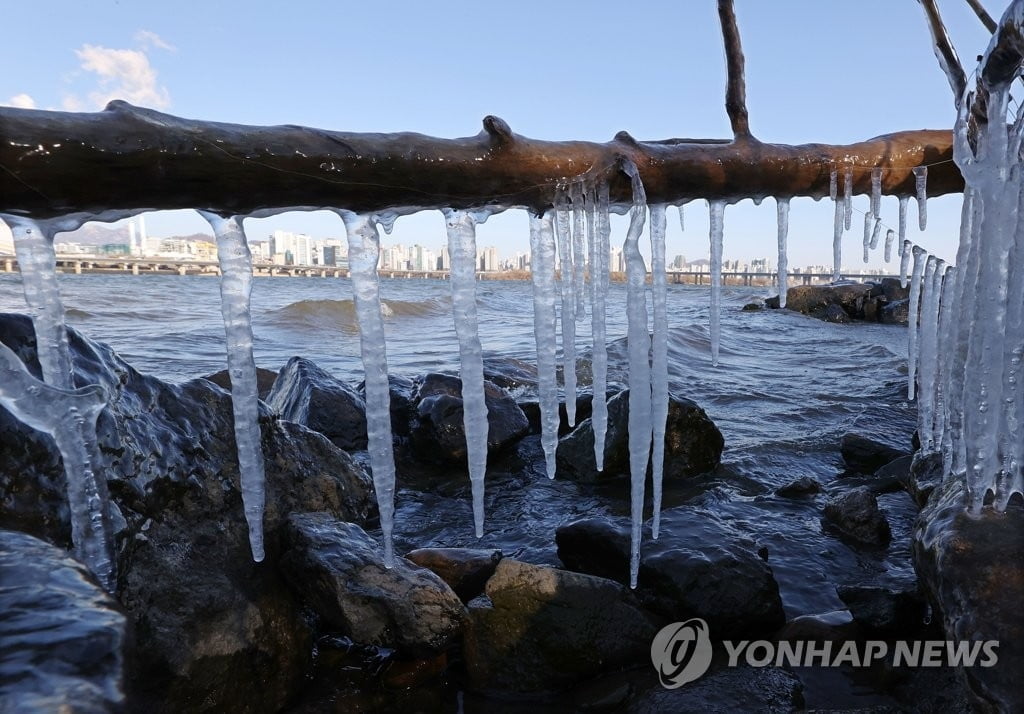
322	625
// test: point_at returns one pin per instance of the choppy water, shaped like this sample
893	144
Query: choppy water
787	388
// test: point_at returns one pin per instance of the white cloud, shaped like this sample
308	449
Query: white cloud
22	101
123	74
146	38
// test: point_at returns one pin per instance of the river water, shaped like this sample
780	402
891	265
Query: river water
787	388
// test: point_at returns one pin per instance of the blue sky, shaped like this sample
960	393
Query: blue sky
816	71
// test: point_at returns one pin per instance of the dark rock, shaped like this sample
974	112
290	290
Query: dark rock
895	313
338	569
438	433
729	689
541	629
972	570
821	300
837	625
866	456
400	390
856	515
872	309
833	313
264	380
803	486
61	635
693	444
510	373
923	477
893	476
886	610
892	290
753	307
465	570
307	395
772	303
584	408
699	567
207	620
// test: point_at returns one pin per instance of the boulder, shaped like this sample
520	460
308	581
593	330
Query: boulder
837	625
834	313
923	476
437	430
729	689
971	567
510	373
264	380
855	514
541	629
693	444
815	300
886	610
895	313
307	395
797	488
400	391
866	456
465	570
584	408
339	570
700	566
61	635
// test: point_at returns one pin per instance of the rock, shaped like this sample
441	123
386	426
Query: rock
893	290
307	395
264	380
207	621
923	476
465	570
753	307
437	431
887	610
61	635
338	569
856	515
866	456
400	391
834	313
699	567
893	476
895	313
821	300
803	486
693	444
584	408
729	689
972	570
510	373
837	625
541	629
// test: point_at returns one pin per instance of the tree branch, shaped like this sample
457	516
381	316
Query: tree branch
736	87
945	53
983	15
126	159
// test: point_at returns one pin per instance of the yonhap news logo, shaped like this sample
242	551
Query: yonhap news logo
682	653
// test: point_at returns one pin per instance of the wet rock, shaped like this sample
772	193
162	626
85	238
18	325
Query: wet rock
541	629
855	514
400	391
738	689
693	444
835	626
833	313
819	300
264	380
61	635
923	477
885	610
803	486
893	476
892	289
206	619
753	307
700	566
307	395
465	570
866	456
895	313
584	408
437	430
510	373
339	570
972	570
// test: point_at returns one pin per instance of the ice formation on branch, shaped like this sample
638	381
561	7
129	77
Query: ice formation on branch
717	230
565	242
848	198
235	288
600	248
659	359
837	241
542	272
461	227
921	187
782	219
920	254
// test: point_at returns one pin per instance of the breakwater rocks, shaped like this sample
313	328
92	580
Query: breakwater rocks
886	302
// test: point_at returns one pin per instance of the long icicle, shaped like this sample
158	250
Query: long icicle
461	228
599	285
567	288
928	362
235	288
716	237
639	348
848	198
782	276
579	261
921	187
837	241
542	272
920	254
363	255
659	358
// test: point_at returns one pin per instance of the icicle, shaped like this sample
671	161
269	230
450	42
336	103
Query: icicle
947	308
928	351
890	236
542	272
869	222
904	200
833	184
905	262
876	231
639	345
682	220
876	191
848	198
461	228
837	243
235	288
599	285
659	358
363	256
717	209
921	186
579	261
782	211
566	285
914	312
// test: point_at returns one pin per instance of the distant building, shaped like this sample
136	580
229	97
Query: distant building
114	249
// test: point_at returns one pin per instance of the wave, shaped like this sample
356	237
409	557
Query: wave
341	314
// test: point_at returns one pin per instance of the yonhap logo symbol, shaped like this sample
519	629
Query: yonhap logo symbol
681	652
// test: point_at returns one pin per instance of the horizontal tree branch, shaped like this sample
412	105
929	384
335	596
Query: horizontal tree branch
127	159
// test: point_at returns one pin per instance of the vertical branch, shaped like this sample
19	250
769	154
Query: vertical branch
944	51
736	88
985	18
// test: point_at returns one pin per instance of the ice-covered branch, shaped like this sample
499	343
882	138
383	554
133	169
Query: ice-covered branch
736	88
945	53
126	159
983	15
